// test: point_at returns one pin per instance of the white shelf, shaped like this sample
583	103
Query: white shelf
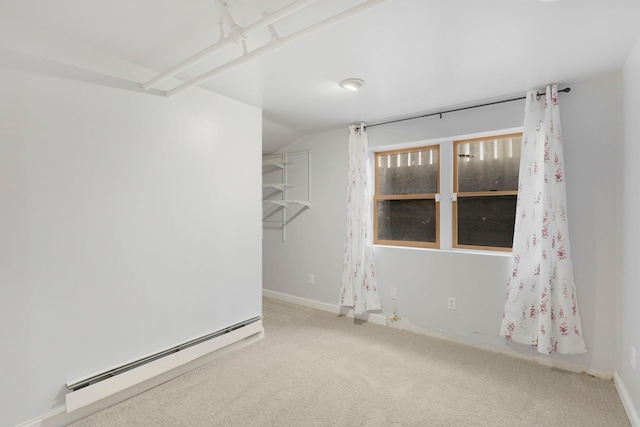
286	203
276	163
288	208
277	186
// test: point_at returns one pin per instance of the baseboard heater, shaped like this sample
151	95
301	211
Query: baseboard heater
94	387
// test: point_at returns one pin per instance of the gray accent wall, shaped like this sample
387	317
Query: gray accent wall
425	278
628	315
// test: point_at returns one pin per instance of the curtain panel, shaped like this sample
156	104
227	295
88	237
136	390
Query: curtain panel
358	289
541	307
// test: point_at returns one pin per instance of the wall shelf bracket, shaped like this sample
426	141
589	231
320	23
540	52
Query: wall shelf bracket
296	205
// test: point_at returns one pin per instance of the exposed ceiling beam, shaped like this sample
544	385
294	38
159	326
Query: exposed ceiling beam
275	44
236	35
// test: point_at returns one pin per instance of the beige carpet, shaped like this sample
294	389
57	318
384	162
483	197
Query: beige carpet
316	369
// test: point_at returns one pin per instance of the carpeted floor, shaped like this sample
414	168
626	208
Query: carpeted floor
316	369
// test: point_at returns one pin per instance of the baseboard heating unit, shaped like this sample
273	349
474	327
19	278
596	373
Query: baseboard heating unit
95	387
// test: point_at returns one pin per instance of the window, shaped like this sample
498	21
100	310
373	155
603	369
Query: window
479	179
405	201
485	181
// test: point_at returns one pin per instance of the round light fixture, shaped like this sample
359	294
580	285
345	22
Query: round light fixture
352	84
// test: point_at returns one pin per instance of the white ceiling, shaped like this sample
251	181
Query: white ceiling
415	55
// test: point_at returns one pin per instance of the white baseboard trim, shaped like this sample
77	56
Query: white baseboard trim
405	324
627	402
378	319
37	422
501	348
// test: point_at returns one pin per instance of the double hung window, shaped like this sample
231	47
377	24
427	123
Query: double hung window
481	196
486	187
405	202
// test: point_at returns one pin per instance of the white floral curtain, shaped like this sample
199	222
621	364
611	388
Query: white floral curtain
359	289
541	308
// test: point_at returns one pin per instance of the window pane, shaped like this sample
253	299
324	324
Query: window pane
415	172
486	221
408	220
490	165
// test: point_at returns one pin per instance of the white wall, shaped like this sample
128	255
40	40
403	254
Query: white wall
629	318
128	223
425	278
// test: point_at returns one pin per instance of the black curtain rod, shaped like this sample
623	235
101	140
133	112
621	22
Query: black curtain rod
440	113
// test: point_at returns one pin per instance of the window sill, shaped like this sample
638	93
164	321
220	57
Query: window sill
452	250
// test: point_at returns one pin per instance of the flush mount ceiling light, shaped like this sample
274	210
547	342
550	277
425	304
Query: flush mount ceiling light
352	84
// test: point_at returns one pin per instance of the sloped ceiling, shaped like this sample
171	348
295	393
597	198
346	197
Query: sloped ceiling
415	55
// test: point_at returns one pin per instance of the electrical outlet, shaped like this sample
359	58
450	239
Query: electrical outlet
451	303
633	358
312	279
394	293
